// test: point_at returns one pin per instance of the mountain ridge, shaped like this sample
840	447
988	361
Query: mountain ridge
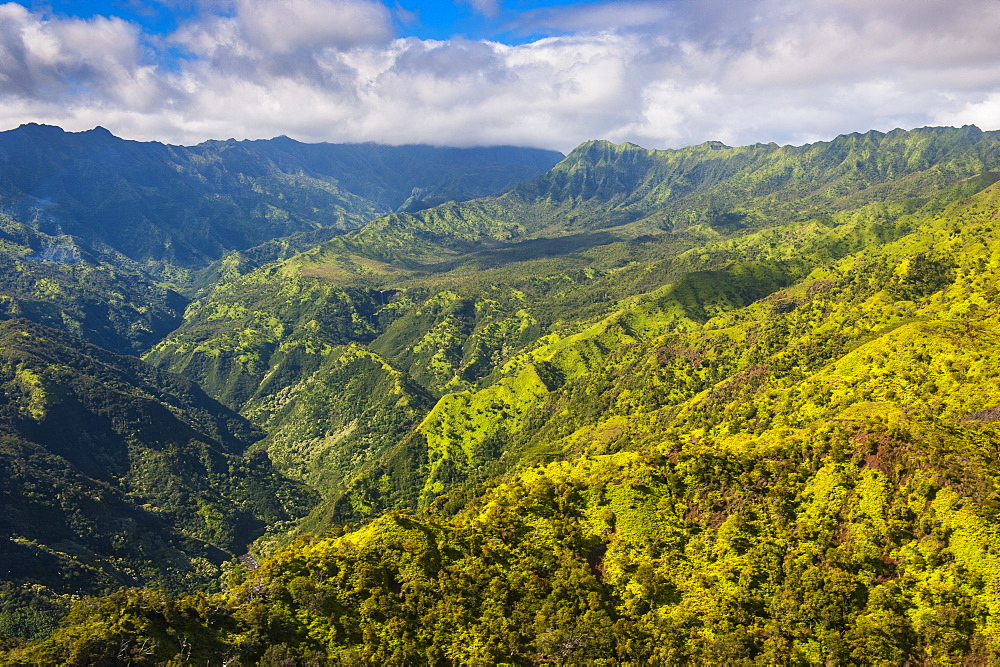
150	221
713	405
467	330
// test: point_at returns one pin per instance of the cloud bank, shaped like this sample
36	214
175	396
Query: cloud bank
657	74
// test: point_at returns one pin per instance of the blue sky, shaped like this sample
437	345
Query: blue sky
659	73
484	19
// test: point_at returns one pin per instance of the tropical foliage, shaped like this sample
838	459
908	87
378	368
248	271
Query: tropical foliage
715	405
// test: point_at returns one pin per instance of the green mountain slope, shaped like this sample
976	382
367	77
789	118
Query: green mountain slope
186	206
101	296
809	478
723	186
115	473
634	191
98	234
490	324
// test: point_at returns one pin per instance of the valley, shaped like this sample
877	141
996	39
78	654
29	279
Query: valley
500	406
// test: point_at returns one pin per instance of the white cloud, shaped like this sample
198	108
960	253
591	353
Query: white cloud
267	30
658	74
985	113
51	60
284	26
487	8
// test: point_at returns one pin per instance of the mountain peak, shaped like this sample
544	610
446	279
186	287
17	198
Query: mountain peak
38	127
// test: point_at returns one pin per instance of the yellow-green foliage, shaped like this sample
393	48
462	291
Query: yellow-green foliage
775	425
34	391
685	351
338	418
838	544
460	423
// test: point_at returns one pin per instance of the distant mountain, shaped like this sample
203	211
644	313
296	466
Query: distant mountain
629	191
187	206
98	234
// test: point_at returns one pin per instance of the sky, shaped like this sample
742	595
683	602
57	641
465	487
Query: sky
545	73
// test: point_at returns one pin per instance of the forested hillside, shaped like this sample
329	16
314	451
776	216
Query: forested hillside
712	405
476	314
100	236
116	473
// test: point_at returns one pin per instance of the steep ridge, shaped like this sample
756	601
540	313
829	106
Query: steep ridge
98	235
115	473
634	191
807	476
186	206
484	342
721	185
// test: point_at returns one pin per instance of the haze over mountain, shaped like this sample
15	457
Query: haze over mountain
100	235
187	206
712	404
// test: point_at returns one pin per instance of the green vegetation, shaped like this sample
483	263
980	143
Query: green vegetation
114	473
489	307
714	405
805	548
101	296
100	236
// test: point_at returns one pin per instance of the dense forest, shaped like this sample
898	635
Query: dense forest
707	405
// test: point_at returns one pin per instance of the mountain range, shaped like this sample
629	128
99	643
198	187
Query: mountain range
711	404
102	236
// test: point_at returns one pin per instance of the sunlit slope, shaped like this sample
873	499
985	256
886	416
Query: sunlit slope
909	323
529	231
690	357
501	363
858	542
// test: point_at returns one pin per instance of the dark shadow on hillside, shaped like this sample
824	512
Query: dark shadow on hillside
524	251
